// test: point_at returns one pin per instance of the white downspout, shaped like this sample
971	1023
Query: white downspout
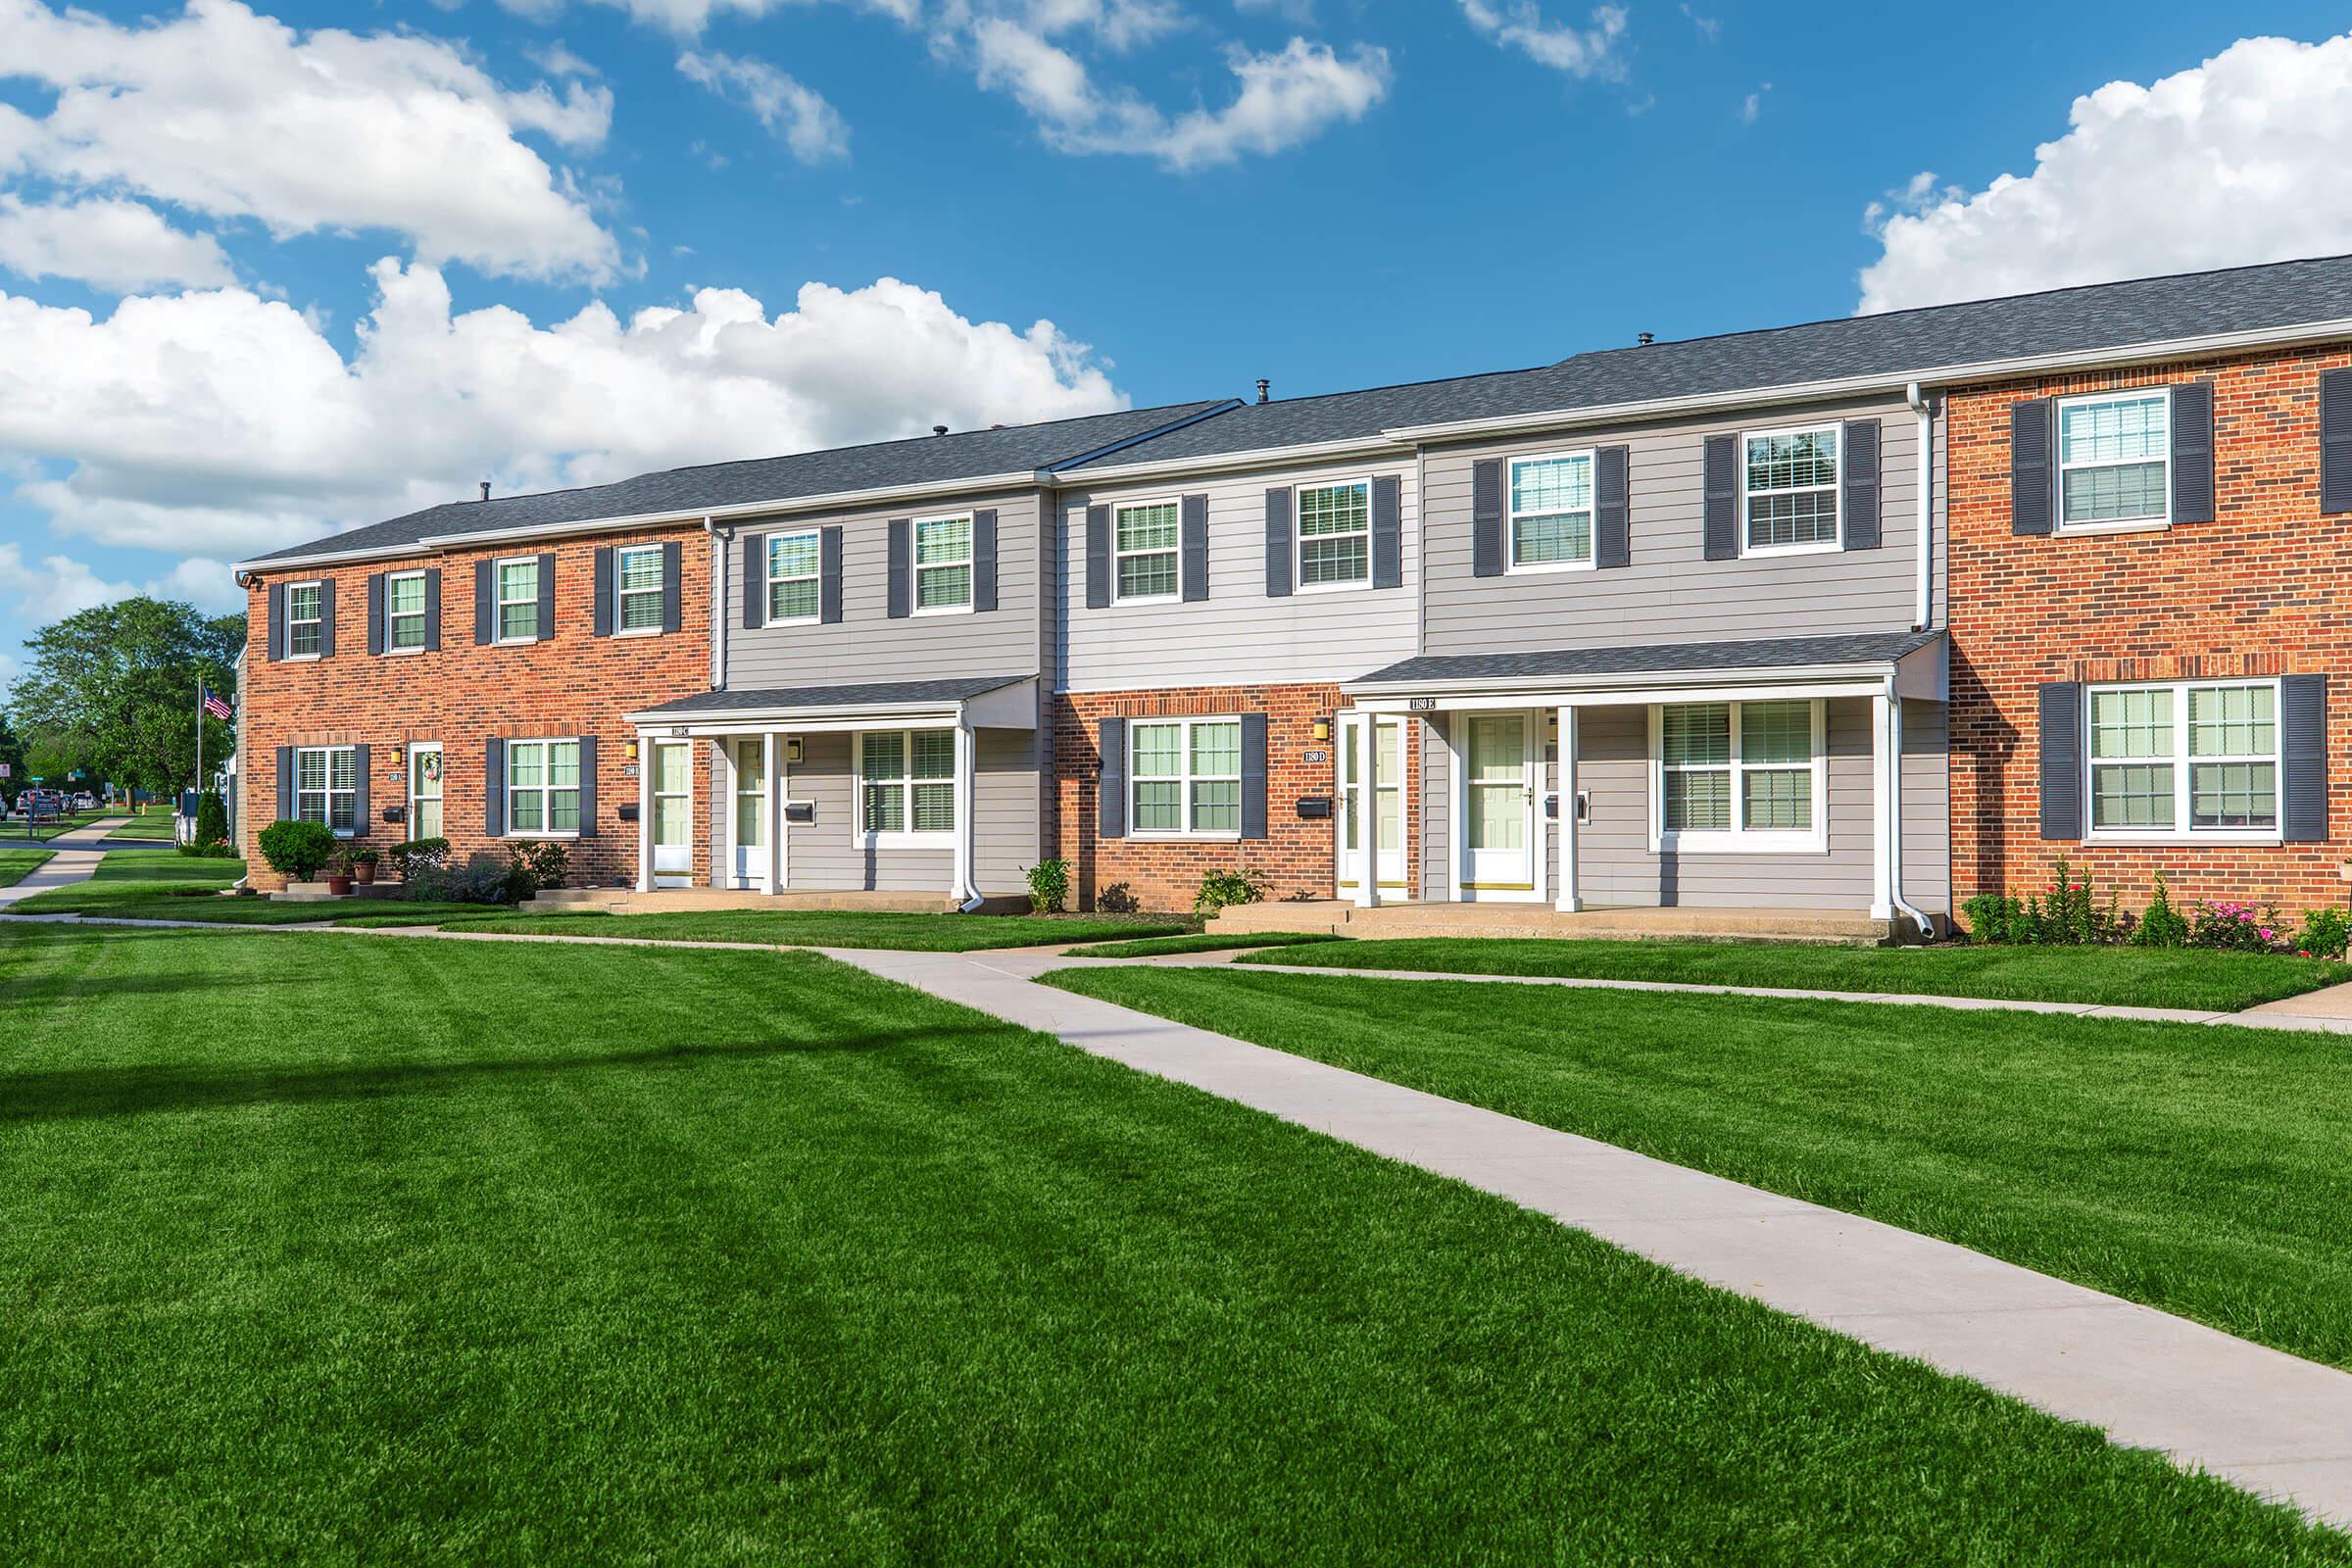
719	539
968	806
1893	763
1923	616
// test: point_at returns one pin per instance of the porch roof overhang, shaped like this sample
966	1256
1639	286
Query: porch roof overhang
981	702
1852	664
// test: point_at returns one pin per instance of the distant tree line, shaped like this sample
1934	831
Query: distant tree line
111	693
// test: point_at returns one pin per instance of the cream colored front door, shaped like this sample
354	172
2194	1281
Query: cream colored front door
1498	806
1388	808
673	814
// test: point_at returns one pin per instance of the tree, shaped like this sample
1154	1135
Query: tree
114	689
11	753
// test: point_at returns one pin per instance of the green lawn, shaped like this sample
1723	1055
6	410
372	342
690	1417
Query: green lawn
1161	946
2196	1168
20	830
16	865
2140	977
163	884
353	1252
154	826
830	928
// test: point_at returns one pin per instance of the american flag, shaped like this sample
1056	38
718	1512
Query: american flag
214	705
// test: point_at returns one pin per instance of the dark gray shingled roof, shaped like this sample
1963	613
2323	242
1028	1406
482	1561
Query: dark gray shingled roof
918	460
1669	659
875	694
1897	343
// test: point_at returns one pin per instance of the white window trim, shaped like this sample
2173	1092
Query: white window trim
319	621
1511	515
1174	594
1819	546
2180	831
506	784
330	791
620	594
422	618
906	838
771	577
2058	437
499	602
915	567
1739	840
1298	582
1185	778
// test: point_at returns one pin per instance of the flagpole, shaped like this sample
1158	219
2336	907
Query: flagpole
199	743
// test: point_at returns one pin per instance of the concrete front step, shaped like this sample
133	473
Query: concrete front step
1398	920
674	901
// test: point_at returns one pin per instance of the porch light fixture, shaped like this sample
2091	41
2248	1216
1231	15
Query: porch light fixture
632	751
1322	729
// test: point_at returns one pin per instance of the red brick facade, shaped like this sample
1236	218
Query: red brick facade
2258	591
463	695
1296	857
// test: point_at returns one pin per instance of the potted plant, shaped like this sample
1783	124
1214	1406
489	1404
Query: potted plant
338	873
362	867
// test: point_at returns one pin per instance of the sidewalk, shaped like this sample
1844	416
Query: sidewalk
75	858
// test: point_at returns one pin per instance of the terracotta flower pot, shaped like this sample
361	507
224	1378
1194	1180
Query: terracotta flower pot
338	885
364	873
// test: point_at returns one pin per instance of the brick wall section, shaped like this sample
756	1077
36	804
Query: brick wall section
575	683
1294	860
2260	591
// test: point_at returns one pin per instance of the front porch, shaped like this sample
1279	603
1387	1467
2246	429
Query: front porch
1343	919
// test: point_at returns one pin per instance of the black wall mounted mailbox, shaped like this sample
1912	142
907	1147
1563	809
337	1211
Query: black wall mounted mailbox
1314	807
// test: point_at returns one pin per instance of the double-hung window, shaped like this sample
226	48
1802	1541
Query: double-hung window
2113	461
2184	759
303	620
519	600
943	563
404	612
637	582
1185	777
1791	490
906	783
1146	538
1551	511
1335	534
543	787
326	786
795	572
1739	775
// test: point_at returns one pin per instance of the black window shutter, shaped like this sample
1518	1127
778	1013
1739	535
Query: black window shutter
327	619
493	788
359	792
1612	508
1110	792
285	783
2335	441
828	590
2061	742
587	786
1098	557
432	610
600	622
1278	544
1720	481
673	576
276	628
2303	731
984	561
1485	519
546	597
902	567
1196	549
2192	452
755	581
1387	531
376	613
486	603
2031	468
1254	775
1861	457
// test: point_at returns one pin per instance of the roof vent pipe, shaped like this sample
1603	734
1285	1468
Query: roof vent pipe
1647	339
938	430
1265	389
485	489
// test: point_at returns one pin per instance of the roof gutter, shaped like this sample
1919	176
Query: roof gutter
1619	681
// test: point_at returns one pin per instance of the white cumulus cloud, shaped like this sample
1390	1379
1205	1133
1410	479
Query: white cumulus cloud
808	125
2238	160
106	241
1520	25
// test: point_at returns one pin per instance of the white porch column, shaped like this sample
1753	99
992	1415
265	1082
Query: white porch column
1881	805
960	877
779	789
770	882
1569	900
645	813
1367	811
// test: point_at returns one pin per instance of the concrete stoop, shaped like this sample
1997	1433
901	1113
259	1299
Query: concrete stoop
1335	917
679	901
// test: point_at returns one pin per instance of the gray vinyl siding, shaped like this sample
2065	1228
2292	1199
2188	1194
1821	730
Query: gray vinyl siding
823	855
1237	636
1927	809
1670	593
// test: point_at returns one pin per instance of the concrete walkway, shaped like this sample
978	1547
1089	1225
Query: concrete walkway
2271	1422
74	857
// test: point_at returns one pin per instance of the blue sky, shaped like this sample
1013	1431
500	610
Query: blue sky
334	261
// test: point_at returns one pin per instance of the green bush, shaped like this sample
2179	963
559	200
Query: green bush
1049	887
2325	933
298	850
2162	926
217	851
1219	889
2236	927
1992	917
482	880
536	864
212	819
418	854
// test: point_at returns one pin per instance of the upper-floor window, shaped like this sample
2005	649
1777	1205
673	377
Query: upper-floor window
794	572
1335	534
1551	511
303	620
1184	776
906	782
326	786
637	581
943	563
2114	457
519	600
404	612
1145	543
2225	734
1739	775
543	787
1791	490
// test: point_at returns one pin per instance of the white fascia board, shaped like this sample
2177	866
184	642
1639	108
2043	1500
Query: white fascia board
1298	456
1576	690
792	721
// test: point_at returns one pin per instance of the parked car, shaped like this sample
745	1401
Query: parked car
41	803
84	801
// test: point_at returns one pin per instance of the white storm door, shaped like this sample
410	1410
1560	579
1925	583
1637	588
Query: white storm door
424	792
1388	808
750	837
673	814
1498	806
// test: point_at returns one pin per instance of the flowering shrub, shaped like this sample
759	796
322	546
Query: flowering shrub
2237	928
2325	933
2068	914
